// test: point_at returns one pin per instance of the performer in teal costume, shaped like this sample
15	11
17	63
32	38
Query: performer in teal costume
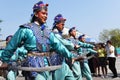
36	38
19	56
76	65
83	51
64	73
26	36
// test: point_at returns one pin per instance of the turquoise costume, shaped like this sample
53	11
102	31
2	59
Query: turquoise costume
64	73
83	50
19	54
1	50
76	65
25	35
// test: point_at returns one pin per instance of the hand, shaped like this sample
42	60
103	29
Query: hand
3	65
79	58
73	60
1	62
76	46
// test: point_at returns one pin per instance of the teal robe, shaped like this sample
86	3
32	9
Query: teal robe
76	65
85	49
64	73
19	54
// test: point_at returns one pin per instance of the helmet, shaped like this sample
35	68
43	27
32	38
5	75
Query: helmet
71	29
39	6
81	36
59	18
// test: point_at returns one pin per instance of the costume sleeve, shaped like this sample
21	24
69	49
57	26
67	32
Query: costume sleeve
1	50
79	51
67	43
59	47
22	52
85	45
92	51
14	43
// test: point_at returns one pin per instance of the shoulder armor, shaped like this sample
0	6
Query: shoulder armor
27	25
55	31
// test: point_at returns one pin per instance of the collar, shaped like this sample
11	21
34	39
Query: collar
57	31
41	26
37	23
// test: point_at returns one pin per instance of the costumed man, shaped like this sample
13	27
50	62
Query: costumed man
83	51
4	72
20	53
65	72
76	65
31	35
37	40
19	56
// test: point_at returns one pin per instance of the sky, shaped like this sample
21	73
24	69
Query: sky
88	16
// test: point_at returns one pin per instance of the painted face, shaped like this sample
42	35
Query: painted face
60	26
42	15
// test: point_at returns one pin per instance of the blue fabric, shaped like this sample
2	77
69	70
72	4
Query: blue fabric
35	62
37	5
57	19
80	37
41	37
56	59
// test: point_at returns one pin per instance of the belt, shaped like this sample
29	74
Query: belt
75	52
38	54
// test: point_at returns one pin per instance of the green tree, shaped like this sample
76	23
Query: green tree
104	35
113	35
0	22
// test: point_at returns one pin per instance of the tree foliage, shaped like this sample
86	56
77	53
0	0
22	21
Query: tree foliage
104	35
0	22
113	35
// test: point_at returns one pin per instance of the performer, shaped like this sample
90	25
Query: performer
26	36
19	56
4	71
76	65
64	73
83	51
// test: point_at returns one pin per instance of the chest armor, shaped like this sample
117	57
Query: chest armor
42	37
74	41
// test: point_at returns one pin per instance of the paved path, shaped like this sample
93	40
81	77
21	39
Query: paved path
94	78
110	73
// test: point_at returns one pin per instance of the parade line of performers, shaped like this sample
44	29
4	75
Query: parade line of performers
35	45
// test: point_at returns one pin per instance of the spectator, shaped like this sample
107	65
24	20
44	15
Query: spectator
102	60
111	58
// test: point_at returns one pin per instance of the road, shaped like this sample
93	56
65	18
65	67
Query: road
94	78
